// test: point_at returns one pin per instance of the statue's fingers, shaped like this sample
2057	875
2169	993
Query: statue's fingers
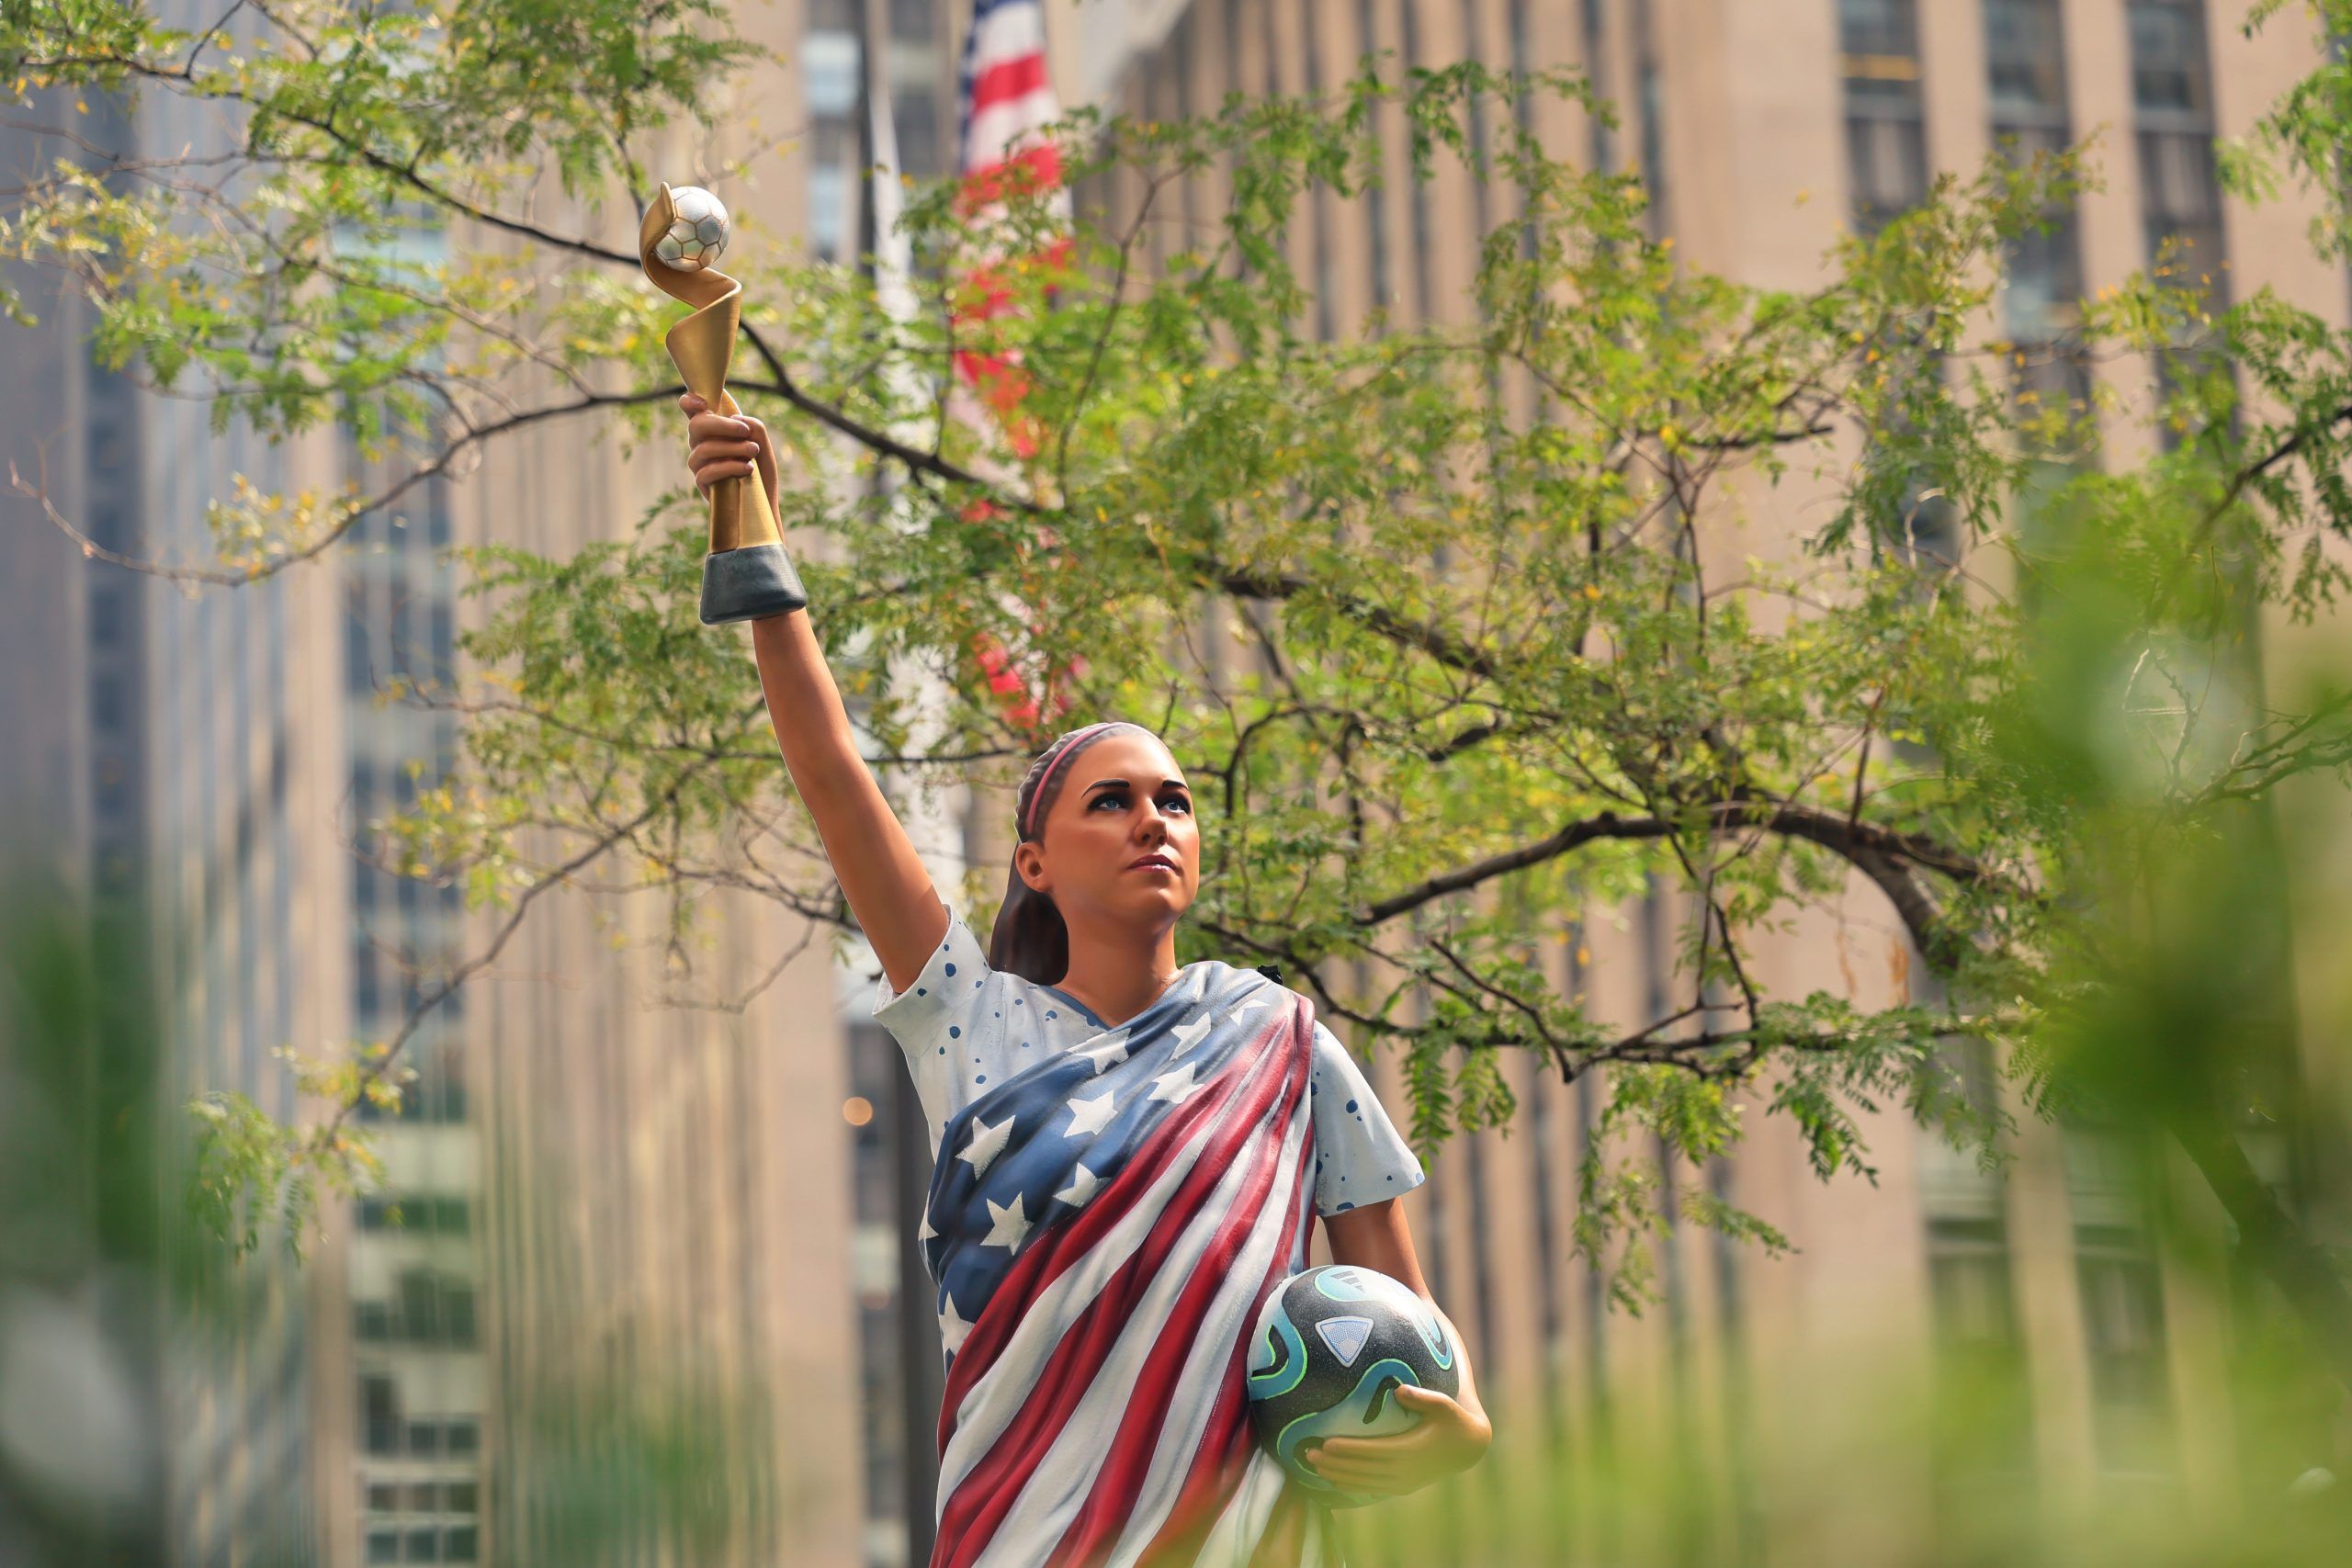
715	427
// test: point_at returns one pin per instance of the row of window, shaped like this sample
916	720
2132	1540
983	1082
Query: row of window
417	1214
430	1308
425	1543
425	1496
387	1436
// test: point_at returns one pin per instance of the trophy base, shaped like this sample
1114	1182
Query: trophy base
745	584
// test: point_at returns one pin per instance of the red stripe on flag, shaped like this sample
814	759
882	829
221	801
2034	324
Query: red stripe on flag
1120	1479
1230	1440
1060	1247
1013	78
970	1517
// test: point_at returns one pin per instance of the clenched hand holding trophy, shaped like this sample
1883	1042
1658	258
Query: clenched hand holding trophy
746	575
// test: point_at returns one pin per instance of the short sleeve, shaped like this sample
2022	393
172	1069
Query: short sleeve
936	1020
1360	1157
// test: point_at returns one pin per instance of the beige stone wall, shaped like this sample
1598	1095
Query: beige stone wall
669	1201
1752	136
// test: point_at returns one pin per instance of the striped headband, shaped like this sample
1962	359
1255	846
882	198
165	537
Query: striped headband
1078	744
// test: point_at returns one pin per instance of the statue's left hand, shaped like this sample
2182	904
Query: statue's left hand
1449	1438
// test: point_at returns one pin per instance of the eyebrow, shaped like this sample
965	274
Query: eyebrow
1100	783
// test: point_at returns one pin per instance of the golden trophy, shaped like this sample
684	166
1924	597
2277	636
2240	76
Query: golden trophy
746	575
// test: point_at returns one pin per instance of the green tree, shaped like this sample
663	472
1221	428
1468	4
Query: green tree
1428	763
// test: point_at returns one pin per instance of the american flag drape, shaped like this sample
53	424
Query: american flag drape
1005	102
1102	1228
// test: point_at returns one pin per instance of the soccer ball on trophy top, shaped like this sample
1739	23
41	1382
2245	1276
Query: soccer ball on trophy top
698	232
747	575
1331	1347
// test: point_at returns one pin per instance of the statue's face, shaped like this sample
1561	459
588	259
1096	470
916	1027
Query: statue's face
1124	799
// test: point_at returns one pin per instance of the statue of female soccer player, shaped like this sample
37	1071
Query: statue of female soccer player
1124	1151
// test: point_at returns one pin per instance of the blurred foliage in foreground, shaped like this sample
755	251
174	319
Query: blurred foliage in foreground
126	1322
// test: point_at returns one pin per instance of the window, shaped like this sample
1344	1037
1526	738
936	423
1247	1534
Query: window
1596	46
1981	1434
383	1546
2123	1329
2168	72
1886	140
1652	107
2180	205
912	19
423	1545
2108	1178
383	1498
458	1313
424	1438
828	68
379	1414
458	1545
2026	68
916	112
109	612
465	1437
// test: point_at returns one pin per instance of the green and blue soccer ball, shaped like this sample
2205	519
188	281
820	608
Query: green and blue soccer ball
697	232
1330	1348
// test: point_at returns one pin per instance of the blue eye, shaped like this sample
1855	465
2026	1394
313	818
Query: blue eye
1121	797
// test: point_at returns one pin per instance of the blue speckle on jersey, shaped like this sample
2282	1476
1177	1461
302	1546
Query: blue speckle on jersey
1354	1137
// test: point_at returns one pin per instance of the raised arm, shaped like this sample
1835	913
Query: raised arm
888	887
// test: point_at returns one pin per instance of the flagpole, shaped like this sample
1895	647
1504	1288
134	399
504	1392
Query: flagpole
885	255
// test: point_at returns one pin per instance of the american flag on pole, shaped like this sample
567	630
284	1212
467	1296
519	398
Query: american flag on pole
1102	1227
1005	102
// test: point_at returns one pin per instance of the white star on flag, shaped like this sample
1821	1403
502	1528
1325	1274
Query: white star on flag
987	1143
1111	1050
952	1327
1009	1225
1176	1086
925	1232
1082	1187
1090	1115
1189	1035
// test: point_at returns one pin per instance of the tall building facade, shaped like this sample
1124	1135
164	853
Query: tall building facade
714	1202
180	753
1761	130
